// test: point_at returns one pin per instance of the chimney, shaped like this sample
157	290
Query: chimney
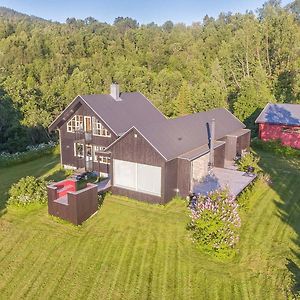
115	91
212	143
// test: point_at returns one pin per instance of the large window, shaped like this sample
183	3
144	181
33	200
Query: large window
76	123
139	177
100	158
99	129
78	150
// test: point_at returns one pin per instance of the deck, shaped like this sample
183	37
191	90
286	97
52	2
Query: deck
234	180
104	185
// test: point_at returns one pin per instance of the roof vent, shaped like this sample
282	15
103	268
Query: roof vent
115	91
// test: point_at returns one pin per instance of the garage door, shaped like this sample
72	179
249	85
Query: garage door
139	177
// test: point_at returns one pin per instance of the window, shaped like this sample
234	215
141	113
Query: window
139	177
99	129
76	123
87	124
104	160
97	155
78	150
291	130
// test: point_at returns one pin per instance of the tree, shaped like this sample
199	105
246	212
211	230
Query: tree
252	97
168	26
182	101
124	24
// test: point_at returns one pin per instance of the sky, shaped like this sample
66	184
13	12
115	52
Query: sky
158	11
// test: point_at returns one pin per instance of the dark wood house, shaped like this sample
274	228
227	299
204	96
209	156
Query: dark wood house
147	156
280	122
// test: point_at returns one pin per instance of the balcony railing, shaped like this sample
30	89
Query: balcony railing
81	135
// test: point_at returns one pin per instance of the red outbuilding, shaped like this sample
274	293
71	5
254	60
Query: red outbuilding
280	122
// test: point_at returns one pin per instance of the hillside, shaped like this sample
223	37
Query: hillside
237	61
13	15
294	7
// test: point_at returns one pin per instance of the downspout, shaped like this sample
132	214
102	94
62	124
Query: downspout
212	144
60	148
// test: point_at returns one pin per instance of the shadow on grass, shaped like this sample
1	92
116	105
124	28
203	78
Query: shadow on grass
285	181
58	175
10	175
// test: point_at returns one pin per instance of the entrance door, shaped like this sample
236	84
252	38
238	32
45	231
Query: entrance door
89	158
87	124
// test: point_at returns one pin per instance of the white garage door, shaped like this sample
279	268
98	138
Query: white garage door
138	177
124	174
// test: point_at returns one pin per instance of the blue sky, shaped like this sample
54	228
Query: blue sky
158	11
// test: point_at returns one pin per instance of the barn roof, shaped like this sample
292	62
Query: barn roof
285	114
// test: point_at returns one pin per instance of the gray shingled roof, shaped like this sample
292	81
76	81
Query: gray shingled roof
175	137
286	114
170	137
134	109
195	153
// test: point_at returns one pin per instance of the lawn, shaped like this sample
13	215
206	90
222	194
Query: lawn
132	250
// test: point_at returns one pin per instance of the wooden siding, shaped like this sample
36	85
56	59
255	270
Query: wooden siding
243	142
134	148
67	140
284	133
183	177
171	179
80	205
219	156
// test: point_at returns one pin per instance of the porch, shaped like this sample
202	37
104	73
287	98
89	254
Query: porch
235	181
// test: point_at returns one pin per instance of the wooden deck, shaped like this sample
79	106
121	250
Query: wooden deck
104	186
234	180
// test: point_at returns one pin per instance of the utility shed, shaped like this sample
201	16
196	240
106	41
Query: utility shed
280	122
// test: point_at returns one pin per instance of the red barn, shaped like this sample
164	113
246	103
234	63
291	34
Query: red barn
280	122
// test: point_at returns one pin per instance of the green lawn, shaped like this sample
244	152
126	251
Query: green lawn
132	250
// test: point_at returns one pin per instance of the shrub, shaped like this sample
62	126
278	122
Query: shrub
33	152
276	147
215	222
28	190
250	160
244	198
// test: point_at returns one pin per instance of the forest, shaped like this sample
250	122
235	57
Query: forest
237	61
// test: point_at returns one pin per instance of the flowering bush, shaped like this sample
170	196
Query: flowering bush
32	152
215	223
28	190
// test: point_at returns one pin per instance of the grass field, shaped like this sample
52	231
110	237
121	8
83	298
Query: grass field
132	250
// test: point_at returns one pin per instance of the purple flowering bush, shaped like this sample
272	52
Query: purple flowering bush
215	223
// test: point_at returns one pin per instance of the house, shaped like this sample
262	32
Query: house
280	122
145	155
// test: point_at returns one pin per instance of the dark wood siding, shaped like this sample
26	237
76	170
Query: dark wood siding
230	147
219	156
183	177
243	142
68	139
171	179
134	148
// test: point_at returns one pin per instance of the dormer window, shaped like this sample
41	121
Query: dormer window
76	123
99	129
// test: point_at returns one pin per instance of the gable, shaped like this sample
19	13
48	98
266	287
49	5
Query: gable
78	105
134	147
